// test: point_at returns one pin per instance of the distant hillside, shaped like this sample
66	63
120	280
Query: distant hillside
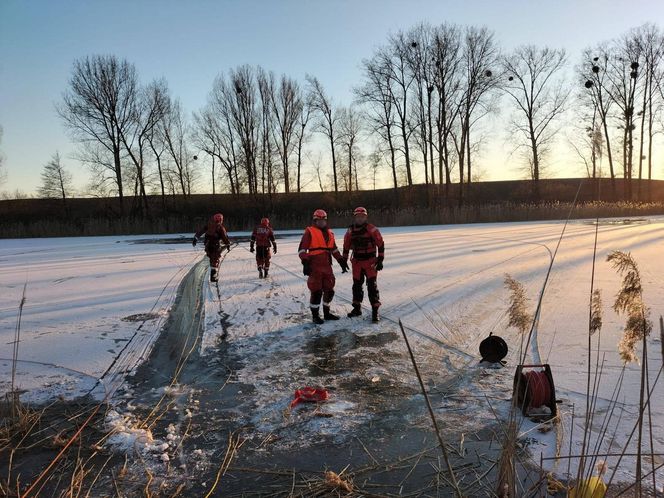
420	204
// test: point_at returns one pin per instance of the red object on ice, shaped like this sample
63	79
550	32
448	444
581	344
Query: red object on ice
538	388
534	389
309	395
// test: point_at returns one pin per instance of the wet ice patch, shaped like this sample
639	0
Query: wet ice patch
338	407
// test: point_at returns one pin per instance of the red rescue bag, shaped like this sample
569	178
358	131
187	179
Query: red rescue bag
309	395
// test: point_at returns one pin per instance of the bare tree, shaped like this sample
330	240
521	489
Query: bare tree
316	160
98	106
593	77
302	135
287	106
15	195
216	134
266	130
588	142
479	60
447	83
157	143
420	59
350	128
175	131
396	57
328	119
651	39
206	137
150	109
56	181
375	94
623	79
538	94
619	75
375	161
244	117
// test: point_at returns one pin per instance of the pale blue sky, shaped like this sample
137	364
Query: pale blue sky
190	42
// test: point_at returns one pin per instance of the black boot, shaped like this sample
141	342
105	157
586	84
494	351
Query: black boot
315	316
265	273
356	311
260	272
374	315
328	315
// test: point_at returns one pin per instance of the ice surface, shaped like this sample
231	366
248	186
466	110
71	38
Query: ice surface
92	300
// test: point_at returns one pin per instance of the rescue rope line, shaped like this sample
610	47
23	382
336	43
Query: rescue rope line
184	357
117	358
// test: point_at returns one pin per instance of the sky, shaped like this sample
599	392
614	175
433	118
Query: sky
190	43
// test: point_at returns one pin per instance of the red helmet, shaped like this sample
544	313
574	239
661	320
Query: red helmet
218	218
265	222
319	214
361	211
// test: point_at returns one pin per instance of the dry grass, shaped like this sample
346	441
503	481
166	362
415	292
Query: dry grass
17	418
235	442
519	317
629	301
9	489
336	482
18	422
595	312
507	476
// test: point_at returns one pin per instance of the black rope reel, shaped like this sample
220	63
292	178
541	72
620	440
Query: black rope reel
493	349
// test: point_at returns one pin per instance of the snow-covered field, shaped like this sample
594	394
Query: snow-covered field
92	300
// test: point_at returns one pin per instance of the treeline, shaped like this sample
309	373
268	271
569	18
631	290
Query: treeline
424	98
416	205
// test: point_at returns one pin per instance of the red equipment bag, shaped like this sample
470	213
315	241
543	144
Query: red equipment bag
309	395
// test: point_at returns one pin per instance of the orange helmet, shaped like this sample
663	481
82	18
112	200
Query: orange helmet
265	222
218	218
319	214
360	211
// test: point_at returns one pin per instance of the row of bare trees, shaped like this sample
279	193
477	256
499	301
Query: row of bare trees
428	89
125	128
255	126
621	103
425	102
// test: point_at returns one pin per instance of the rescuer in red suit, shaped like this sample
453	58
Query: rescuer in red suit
366	242
316	250
263	237
215	234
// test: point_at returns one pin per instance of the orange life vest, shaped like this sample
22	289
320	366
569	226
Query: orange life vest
318	243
